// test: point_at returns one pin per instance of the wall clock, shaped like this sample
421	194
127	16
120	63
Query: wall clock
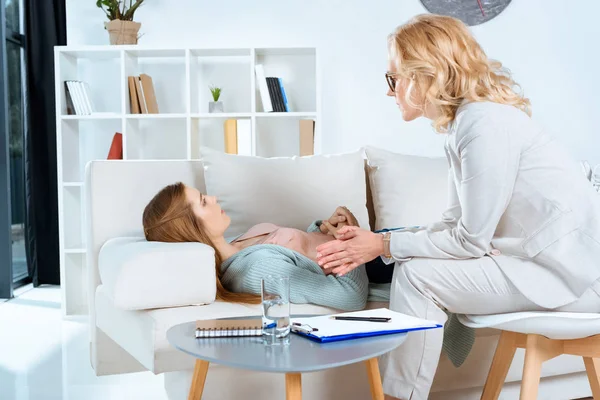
471	12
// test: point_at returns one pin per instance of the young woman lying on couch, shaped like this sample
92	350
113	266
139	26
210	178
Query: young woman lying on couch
180	213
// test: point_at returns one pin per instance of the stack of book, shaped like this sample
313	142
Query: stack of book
307	137
141	95
238	137
272	92
79	101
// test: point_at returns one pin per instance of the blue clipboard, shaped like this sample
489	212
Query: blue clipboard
330	339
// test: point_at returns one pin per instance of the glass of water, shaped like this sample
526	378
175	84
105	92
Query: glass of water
275	292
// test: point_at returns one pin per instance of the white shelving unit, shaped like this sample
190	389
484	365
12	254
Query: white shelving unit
181	78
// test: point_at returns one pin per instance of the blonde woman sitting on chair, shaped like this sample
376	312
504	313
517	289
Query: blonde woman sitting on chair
522	230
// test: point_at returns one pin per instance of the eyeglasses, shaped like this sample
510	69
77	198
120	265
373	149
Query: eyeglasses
391	80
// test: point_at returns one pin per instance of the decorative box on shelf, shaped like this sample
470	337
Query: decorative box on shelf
105	105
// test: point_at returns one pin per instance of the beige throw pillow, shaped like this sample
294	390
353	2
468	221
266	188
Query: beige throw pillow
287	191
406	190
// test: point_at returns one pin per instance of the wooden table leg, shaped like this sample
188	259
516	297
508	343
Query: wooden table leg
374	379
293	387
200	371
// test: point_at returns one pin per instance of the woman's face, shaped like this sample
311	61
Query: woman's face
404	85
207	209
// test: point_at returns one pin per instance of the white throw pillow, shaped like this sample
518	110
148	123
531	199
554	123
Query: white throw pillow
406	190
291	192
140	275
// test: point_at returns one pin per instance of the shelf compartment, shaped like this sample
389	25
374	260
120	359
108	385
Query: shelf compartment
101	70
210	132
297	67
228	69
158	139
278	137
72	210
83	141
167	68
156	116
74	284
293	115
222	115
92	116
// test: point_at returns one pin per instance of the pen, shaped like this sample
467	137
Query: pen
366	319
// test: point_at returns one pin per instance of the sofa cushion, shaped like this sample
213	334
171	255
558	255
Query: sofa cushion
290	192
138	274
143	334
406	190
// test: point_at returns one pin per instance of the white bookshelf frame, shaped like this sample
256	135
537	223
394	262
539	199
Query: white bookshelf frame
71	63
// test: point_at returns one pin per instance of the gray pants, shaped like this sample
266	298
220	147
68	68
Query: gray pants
424	288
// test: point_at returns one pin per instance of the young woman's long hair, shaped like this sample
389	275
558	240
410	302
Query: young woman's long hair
169	218
447	65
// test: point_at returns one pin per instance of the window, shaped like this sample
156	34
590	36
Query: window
14	46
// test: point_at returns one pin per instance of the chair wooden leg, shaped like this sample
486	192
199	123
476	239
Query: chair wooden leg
505	351
198	380
592	366
293	387
538	350
374	379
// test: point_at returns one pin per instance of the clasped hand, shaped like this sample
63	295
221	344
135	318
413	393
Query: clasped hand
353	246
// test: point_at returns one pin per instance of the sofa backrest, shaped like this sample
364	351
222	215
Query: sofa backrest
116	194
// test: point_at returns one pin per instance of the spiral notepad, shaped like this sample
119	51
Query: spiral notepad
219	328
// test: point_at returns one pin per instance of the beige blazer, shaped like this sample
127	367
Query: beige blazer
515	195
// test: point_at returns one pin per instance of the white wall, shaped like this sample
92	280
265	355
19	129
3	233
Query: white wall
550	46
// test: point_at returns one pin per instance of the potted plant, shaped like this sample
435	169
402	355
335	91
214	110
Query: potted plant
121	27
216	105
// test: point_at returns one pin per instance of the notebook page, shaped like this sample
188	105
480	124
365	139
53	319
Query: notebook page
327	326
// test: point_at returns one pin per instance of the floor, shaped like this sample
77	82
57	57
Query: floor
43	356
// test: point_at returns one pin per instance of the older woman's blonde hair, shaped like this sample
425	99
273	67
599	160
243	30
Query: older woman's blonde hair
447	65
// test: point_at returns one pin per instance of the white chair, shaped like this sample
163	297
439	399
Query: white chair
543	335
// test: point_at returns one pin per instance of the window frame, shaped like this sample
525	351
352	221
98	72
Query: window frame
6	277
7	282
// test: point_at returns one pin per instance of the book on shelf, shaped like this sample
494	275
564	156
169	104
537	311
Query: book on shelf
69	100
276	92
276	95
238	137
88	97
78	98
133	99
142	97
116	147
285	101
149	95
307	137
263	88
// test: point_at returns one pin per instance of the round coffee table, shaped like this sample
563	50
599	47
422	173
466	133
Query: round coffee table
301	355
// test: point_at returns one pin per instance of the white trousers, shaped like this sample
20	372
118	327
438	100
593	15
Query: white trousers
424	288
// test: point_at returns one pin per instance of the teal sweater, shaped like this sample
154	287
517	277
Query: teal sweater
243	271
308	284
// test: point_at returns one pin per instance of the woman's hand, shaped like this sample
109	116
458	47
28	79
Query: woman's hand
353	247
340	218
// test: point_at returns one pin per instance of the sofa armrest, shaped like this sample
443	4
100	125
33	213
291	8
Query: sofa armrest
138	274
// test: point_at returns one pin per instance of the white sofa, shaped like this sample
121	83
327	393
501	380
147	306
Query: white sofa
123	341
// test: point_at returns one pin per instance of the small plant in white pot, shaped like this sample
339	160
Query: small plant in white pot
215	106
121	27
